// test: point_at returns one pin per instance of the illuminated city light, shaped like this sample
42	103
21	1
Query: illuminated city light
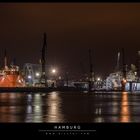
53	70
98	79
124	81
29	77
37	74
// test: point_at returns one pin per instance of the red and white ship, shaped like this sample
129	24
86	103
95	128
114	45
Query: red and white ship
11	76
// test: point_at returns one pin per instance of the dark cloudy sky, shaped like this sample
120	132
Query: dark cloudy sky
72	28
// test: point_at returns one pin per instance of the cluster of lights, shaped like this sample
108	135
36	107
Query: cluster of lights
37	74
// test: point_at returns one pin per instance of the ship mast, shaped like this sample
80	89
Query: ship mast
5	60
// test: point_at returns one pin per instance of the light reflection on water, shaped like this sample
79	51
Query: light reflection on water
125	113
69	107
37	108
54	113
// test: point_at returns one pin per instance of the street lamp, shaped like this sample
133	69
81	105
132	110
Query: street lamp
29	77
53	71
98	79
30	80
37	74
99	82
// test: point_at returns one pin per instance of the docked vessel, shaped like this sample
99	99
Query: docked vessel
11	76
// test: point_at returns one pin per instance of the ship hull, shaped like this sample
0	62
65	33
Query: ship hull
11	80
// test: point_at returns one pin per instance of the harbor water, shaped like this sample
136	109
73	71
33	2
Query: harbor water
72	107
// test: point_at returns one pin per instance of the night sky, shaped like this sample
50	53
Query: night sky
72	28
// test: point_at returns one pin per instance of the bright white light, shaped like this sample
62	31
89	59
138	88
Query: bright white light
37	74
98	79
29	77
53	70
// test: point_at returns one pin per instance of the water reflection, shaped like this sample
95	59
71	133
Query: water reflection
99	119
29	109
115	108
9	109
69	107
34	108
98	111
125	113
54	113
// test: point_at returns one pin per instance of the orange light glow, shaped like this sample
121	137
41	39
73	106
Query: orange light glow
125	114
124	80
